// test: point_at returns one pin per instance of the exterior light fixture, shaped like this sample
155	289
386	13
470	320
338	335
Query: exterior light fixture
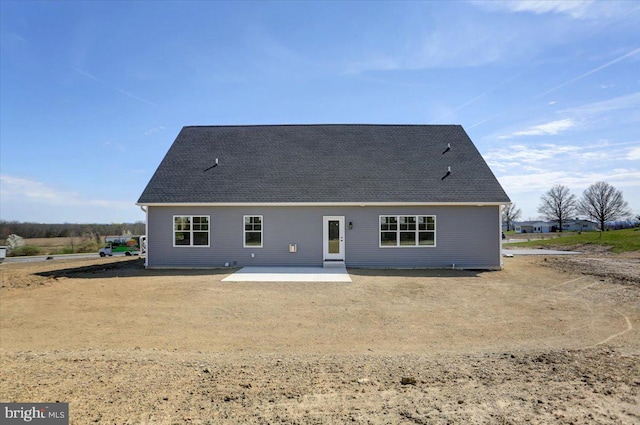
350	225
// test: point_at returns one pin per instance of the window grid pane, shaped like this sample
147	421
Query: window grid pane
191	230
200	238
427	238
407	238
418	230
253	239
183	238
389	238
253	231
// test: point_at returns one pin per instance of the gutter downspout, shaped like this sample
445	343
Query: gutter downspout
146	232
500	209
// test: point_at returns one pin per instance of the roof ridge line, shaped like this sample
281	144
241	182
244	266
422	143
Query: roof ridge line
322	125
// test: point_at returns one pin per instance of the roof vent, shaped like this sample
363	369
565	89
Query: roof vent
448	173
447	149
213	166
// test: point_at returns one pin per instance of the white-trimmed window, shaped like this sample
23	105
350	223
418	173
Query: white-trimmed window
253	231
191	230
407	230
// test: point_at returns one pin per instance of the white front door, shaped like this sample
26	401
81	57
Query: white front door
333	238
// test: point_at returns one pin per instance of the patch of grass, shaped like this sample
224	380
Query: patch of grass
25	250
624	240
63	245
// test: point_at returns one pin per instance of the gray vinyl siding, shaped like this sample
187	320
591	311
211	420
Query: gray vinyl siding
467	236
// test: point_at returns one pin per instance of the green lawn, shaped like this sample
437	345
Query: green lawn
619	240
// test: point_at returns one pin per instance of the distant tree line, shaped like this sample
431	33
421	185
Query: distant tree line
600	202
44	230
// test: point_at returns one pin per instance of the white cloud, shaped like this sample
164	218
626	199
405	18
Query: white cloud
622	109
633	154
374	63
548	129
117	146
545	156
629	101
39	192
577	9
575	180
31	200
525	188
154	130
574	8
528	170
30	189
525	154
444	40
458	46
595	155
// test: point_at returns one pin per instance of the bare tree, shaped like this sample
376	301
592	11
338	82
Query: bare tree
510	214
558	204
71	241
603	202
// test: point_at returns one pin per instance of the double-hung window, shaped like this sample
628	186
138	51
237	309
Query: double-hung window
253	231
407	230
191	230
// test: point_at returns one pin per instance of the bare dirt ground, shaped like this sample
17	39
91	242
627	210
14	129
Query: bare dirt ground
546	340
623	268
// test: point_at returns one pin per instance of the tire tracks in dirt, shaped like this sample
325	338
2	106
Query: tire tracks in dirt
629	326
609	338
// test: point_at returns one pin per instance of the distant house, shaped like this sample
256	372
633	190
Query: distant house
550	226
536	227
300	195
579	226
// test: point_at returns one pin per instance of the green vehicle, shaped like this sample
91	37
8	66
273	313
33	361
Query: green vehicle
127	244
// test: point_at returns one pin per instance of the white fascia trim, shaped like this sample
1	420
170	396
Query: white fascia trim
319	204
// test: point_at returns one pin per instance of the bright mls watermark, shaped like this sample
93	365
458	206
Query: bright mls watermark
34	413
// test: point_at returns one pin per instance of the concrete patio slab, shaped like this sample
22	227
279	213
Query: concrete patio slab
289	274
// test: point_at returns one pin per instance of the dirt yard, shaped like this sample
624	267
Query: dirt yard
546	340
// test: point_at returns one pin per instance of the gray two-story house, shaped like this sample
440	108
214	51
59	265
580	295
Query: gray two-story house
405	196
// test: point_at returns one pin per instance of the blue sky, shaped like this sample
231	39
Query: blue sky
93	93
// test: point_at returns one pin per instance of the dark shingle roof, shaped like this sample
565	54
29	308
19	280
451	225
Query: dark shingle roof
322	163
